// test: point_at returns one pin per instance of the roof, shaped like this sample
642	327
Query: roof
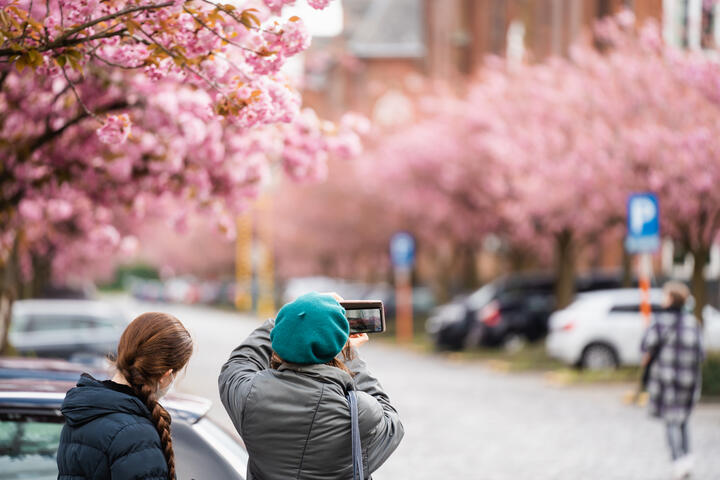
389	29
621	295
88	307
33	392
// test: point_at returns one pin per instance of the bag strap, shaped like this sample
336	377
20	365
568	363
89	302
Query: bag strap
358	469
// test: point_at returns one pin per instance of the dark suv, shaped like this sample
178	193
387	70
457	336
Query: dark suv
513	306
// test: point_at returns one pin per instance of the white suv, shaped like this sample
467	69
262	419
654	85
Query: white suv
604	329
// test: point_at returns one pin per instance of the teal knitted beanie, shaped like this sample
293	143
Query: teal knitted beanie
310	330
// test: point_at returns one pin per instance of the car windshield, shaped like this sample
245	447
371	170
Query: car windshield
481	297
28	448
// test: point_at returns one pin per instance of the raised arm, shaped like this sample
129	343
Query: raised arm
237	375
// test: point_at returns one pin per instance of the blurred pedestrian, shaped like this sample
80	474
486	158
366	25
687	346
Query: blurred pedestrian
116	429
673	352
289	390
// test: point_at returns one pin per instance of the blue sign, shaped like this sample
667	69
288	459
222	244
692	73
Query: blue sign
402	250
643	214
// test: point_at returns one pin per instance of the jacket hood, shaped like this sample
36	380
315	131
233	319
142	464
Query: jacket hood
92	399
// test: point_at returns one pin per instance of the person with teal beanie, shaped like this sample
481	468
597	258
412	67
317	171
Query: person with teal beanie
285	389
312	329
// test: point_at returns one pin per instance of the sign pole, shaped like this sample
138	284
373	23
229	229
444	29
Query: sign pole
403	305
243	263
402	254
644	276
643	216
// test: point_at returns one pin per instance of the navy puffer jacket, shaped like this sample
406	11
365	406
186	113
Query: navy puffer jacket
108	434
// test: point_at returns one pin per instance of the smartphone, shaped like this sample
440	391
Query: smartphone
365	316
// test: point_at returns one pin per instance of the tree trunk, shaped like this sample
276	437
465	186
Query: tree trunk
626	268
8	294
469	280
564	269
698	286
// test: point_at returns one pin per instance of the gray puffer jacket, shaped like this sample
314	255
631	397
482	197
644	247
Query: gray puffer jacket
295	420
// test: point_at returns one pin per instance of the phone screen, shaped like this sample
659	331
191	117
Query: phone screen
365	321
365	317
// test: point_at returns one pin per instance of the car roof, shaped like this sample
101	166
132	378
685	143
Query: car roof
24	384
619	295
92	307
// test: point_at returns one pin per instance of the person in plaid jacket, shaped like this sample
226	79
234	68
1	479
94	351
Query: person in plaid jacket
674	342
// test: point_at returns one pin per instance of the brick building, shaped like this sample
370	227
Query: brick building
390	49
388	45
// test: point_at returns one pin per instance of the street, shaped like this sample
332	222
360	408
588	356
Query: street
464	421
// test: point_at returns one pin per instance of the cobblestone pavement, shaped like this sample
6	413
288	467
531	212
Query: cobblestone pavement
463	421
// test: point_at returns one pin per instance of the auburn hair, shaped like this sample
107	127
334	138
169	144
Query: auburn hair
347	355
151	345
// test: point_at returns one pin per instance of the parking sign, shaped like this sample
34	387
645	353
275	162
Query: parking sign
643	221
402	250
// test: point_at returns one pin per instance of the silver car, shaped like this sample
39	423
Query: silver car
76	330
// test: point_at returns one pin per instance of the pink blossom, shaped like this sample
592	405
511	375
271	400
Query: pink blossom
115	130
31	210
105	236
319	4
277	5
294	37
59	210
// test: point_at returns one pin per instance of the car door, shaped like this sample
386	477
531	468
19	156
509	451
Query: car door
203	450
50	334
625	329
28	445
711	329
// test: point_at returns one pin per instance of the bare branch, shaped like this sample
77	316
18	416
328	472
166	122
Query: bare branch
77	95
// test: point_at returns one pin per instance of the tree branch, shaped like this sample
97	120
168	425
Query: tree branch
65	41
53	134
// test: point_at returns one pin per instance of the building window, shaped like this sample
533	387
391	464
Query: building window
693	24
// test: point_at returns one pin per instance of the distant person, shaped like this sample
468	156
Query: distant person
673	352
116	429
286	387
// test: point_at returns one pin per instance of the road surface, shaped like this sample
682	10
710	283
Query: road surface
464	421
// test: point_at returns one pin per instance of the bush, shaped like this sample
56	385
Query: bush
146	272
711	375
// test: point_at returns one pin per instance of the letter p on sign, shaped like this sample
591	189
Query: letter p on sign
643	223
642	211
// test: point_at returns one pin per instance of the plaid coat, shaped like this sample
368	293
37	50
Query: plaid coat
674	382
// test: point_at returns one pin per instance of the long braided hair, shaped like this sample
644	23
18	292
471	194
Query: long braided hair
151	345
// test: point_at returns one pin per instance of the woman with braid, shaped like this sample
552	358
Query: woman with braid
116	429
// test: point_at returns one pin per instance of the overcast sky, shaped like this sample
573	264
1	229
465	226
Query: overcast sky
322	23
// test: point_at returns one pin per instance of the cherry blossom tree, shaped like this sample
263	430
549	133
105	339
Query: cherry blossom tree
109	110
550	151
671	137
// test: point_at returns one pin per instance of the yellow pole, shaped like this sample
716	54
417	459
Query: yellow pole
266	269
243	262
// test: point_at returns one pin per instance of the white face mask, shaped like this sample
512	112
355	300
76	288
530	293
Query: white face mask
161	392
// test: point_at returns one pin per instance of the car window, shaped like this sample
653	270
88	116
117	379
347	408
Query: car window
107	322
203	450
19	323
481	297
631	308
28	448
50	322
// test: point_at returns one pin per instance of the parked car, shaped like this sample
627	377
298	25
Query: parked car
511	307
67	329
30	425
604	329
